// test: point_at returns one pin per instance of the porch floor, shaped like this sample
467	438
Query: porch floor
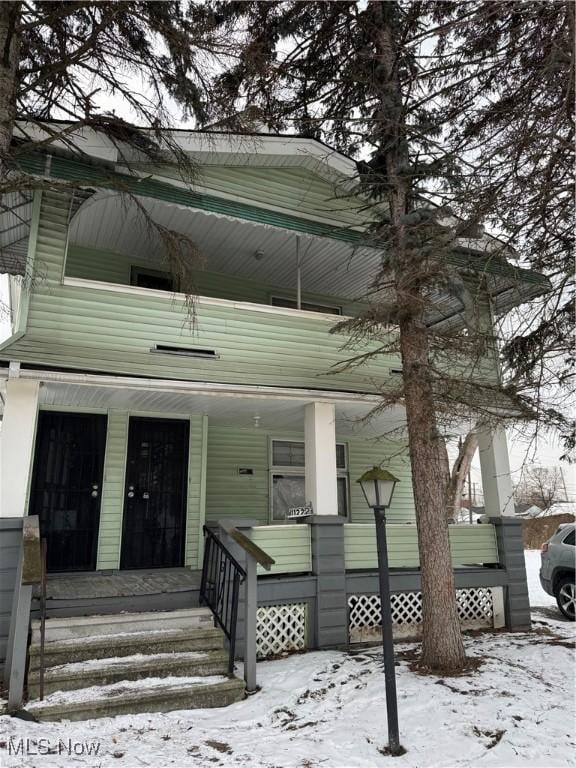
96	584
74	594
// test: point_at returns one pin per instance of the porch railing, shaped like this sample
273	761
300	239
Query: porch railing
222	575
469	545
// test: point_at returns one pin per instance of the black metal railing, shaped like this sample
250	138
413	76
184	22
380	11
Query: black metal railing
222	575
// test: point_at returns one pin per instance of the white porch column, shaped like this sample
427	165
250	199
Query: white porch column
495	467
18	431
320	471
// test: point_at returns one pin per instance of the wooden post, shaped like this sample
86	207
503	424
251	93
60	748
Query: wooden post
250	618
27	574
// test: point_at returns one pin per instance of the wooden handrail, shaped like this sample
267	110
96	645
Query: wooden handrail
261	557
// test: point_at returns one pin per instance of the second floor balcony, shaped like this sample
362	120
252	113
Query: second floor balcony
268	288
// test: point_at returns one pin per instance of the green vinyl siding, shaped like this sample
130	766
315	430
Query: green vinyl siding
195	513
111	512
110	267
289	545
393	456
112	505
230	494
292	190
469	544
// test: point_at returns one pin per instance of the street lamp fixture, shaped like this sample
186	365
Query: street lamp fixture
378	487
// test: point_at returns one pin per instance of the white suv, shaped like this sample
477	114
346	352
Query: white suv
557	569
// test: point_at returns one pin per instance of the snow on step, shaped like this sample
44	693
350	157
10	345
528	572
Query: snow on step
101	692
126	644
94	664
58	629
91	672
131	697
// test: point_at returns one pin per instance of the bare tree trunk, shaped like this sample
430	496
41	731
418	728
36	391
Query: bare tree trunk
442	646
10	52
460	473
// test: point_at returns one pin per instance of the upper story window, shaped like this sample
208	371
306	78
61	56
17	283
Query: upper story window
287	477
326	309
152	278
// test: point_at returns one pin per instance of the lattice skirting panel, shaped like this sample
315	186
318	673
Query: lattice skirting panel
478	607
281	629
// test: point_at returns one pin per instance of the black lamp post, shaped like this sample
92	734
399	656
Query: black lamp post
378	486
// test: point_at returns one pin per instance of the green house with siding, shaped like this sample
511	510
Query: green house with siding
132	423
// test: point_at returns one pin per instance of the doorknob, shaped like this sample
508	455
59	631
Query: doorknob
94	493
130	493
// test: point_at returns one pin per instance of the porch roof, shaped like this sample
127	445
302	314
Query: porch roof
225	405
508	284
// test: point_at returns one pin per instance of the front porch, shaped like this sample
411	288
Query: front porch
251	454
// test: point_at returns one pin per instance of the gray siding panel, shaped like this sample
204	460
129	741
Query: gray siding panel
10	538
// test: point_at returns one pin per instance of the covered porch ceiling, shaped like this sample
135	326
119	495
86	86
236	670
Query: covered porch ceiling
251	250
239	406
342	263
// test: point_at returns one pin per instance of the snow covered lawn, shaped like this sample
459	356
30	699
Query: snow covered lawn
327	709
537	595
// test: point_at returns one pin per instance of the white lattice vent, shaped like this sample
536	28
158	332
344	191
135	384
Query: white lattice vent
475	607
280	629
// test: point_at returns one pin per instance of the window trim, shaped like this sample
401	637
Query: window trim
324	304
300	471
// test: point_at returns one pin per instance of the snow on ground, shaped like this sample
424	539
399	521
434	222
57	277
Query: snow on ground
537	595
327	710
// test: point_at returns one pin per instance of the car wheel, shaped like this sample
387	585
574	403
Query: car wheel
565	594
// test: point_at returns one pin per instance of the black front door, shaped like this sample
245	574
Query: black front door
154	524
66	487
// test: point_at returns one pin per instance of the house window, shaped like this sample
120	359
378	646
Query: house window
287	477
152	278
326	309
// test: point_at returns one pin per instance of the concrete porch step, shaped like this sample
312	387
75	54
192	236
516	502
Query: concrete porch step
59	652
99	625
123	698
98	672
